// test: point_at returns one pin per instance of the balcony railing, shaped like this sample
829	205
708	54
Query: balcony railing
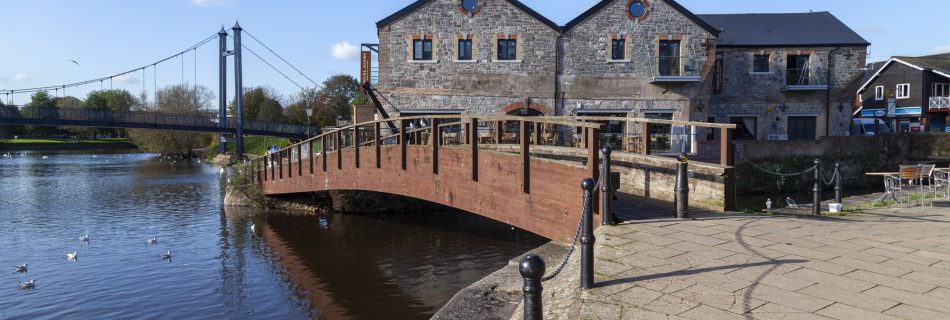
806	79
676	69
939	103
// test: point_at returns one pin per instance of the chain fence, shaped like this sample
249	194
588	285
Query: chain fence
577	234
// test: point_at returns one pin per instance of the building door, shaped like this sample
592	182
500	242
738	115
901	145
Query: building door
802	128
669	58
746	128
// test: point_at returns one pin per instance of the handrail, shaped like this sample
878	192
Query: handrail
659	121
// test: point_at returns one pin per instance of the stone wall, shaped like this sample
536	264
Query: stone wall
484	85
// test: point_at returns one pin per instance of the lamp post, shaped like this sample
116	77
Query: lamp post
309	116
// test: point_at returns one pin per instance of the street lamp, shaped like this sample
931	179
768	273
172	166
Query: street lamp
309	116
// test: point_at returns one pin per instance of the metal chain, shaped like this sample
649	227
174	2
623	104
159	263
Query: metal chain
760	168
832	180
577	235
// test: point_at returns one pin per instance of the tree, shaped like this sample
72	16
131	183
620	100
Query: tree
67	102
41	106
334	99
260	103
115	100
181	100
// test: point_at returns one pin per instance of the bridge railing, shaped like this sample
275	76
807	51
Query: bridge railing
107	118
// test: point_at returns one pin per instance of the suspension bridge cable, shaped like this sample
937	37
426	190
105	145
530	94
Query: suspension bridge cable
281	58
272	66
81	83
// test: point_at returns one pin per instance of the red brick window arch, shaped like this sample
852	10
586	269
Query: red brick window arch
470	7
637	10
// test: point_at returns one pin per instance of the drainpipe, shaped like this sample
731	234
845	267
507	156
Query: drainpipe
557	74
828	93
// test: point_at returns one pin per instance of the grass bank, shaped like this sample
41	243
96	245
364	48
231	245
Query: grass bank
66	144
253	145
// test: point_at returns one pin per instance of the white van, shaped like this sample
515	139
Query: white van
868	126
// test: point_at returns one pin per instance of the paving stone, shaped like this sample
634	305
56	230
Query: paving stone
771	311
691	228
650	238
855	299
819	265
846	312
912	312
940	279
791	241
893	282
709	313
664	253
845	283
771	275
903	256
599	310
876	268
652	229
722	282
695	238
636	296
907	297
804	252
642	260
850	253
786	298
718	299
672	305
633	313
613	241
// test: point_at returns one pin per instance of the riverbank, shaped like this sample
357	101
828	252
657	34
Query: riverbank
66	144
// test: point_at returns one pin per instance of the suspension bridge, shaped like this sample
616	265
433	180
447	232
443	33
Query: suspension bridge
213	121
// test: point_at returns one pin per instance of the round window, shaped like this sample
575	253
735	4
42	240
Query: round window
637	9
469	5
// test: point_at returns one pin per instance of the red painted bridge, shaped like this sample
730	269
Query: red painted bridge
457	161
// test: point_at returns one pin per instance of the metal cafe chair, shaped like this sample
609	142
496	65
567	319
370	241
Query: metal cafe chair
903	182
927	176
942	181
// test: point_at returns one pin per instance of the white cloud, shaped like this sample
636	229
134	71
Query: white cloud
942	49
345	51
126	79
22	77
211	3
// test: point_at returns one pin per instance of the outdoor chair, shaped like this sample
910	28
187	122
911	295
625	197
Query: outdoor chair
903	182
942	182
927	176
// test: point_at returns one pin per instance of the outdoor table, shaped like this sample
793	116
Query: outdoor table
887	185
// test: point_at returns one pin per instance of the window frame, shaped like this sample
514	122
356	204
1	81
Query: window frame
945	90
422	43
622	49
879	93
460	53
768	61
903	91
507	51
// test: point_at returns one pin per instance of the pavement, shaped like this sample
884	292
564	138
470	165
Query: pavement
882	263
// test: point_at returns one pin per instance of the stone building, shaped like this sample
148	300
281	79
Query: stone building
624	58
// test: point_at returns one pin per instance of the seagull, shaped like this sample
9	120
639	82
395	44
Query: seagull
84	238
252	227
152	241
72	256
28	285
21	268
768	204
167	255
791	203
74	61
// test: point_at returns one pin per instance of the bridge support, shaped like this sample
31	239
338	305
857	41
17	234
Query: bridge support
222	87
238	93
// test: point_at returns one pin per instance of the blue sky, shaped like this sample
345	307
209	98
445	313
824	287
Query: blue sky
320	37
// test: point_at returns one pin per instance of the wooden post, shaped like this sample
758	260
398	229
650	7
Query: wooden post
323	152
435	135
468	136
300	159
593	160
645	134
525	157
356	146
473	138
310	150
280	163
290	162
537	133
499	131
584	137
272	166
403	136
377	144
339	149
727	149
265	161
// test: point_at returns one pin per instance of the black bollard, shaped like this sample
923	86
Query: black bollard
682	187
606	202
838	182
816	191
532	269
587	237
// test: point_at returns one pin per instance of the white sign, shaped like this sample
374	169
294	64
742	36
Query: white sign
879	113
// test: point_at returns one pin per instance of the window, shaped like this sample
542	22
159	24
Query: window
903	91
797	70
745	128
879	93
941	90
669	58
507	49
421	49
661	134
760	63
617	49
465	50
469	6
637	9
802	128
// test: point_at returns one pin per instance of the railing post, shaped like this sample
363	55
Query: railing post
532	270
323	152
645	128
377	143
403	136
682	187
726	148
435	136
606	196
816	191
468	136
280	164
473	145
339	149
310	150
587	236
264	169
537	133
500	125
524	141
290	162
838	182
356	146
300	159
273	166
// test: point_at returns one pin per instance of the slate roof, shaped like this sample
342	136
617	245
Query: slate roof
783	30
418	4
672	3
937	63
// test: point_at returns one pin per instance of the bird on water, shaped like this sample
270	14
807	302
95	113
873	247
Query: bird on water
167	255
152	241
21	268
84	238
28	285
72	256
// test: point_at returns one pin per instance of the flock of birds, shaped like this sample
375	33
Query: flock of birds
73	256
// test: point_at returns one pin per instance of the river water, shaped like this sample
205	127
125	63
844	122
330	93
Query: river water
287	267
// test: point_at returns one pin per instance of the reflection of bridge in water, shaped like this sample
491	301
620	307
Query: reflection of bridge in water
208	122
523	171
